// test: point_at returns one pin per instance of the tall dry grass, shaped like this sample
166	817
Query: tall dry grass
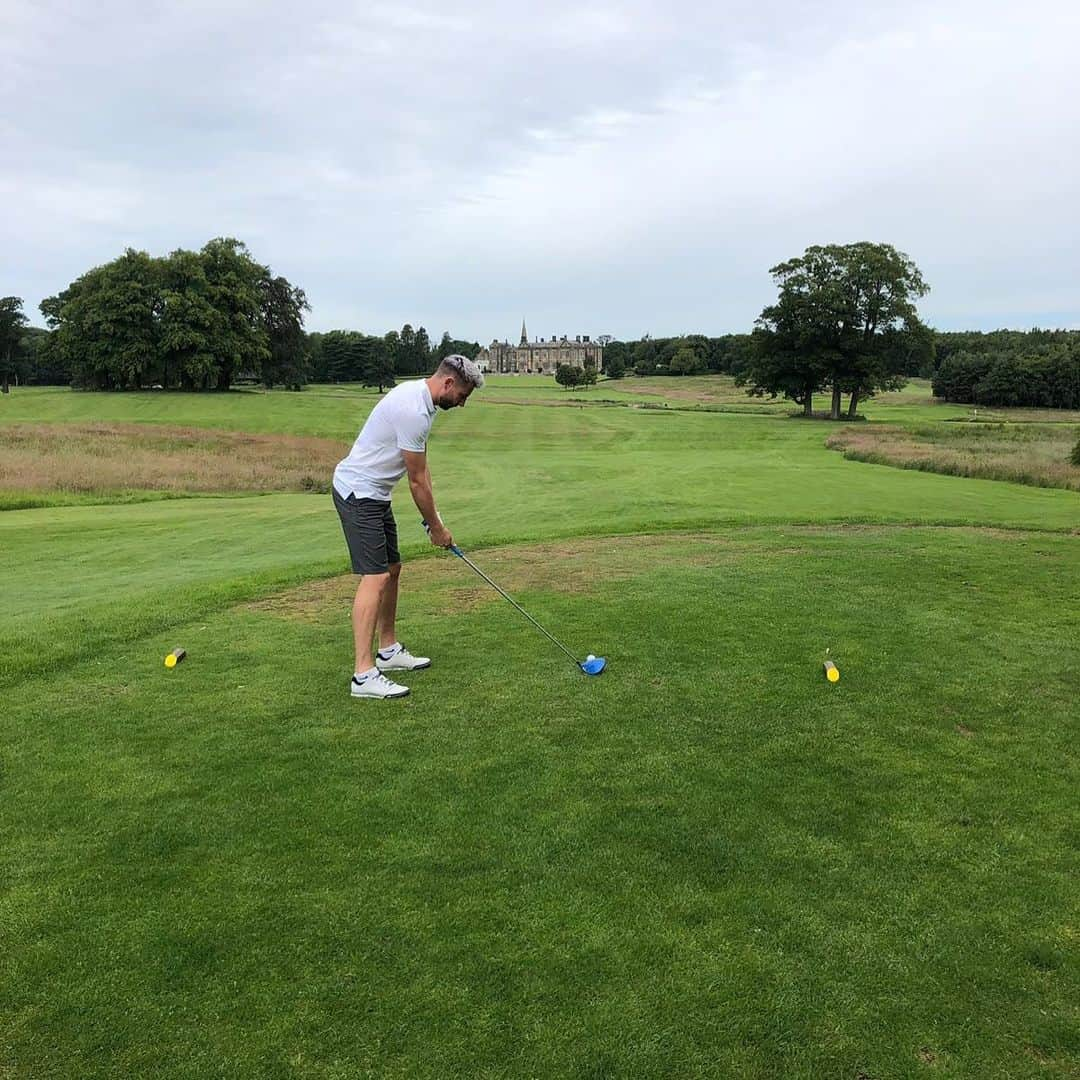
1035	454
102	458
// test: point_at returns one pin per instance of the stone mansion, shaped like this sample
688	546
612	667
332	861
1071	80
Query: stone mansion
540	357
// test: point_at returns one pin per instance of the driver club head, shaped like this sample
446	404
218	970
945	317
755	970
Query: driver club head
593	665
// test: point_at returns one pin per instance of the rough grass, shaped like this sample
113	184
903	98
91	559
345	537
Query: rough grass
1031	453
979	414
99	458
703	389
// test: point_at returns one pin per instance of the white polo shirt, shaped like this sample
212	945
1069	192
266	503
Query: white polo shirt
401	421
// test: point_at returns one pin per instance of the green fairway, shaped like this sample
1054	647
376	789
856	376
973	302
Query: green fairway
706	862
331	410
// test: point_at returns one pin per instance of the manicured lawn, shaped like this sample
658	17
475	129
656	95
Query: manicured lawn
706	862
332	410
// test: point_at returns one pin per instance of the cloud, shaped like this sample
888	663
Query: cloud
596	167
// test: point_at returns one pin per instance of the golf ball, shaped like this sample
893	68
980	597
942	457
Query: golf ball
590	657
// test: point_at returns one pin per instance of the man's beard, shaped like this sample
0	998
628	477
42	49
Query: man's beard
443	405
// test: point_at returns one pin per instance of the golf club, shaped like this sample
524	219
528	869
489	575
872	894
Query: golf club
591	665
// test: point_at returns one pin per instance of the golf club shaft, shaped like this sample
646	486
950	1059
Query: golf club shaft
465	558
461	555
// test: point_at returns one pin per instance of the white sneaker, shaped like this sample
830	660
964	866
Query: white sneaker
377	685
400	659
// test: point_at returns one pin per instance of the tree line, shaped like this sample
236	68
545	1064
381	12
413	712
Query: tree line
350	356
570	375
688	354
1040	369
196	320
844	323
956	361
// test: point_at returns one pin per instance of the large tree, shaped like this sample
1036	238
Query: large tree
38	362
422	352
392	340
449	346
12	327
187	323
194	319
645	356
376	364
283	307
568	375
404	351
241	343
688	358
444	349
411	351
108	322
336	358
618	358
844	318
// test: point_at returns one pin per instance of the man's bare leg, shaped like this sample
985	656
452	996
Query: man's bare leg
365	612
388	609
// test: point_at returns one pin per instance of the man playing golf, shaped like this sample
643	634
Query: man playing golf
392	442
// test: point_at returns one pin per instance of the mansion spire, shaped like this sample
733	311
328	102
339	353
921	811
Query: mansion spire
524	337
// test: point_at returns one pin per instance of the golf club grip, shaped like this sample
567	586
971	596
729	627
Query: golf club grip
453	547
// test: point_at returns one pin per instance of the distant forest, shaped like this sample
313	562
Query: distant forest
216	318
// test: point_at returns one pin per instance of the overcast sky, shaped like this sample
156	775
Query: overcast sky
621	168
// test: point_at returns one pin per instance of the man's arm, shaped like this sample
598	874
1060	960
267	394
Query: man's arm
420	489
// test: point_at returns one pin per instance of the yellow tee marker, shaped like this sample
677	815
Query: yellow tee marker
832	672
174	658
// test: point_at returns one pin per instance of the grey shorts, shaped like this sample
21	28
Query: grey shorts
370	532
